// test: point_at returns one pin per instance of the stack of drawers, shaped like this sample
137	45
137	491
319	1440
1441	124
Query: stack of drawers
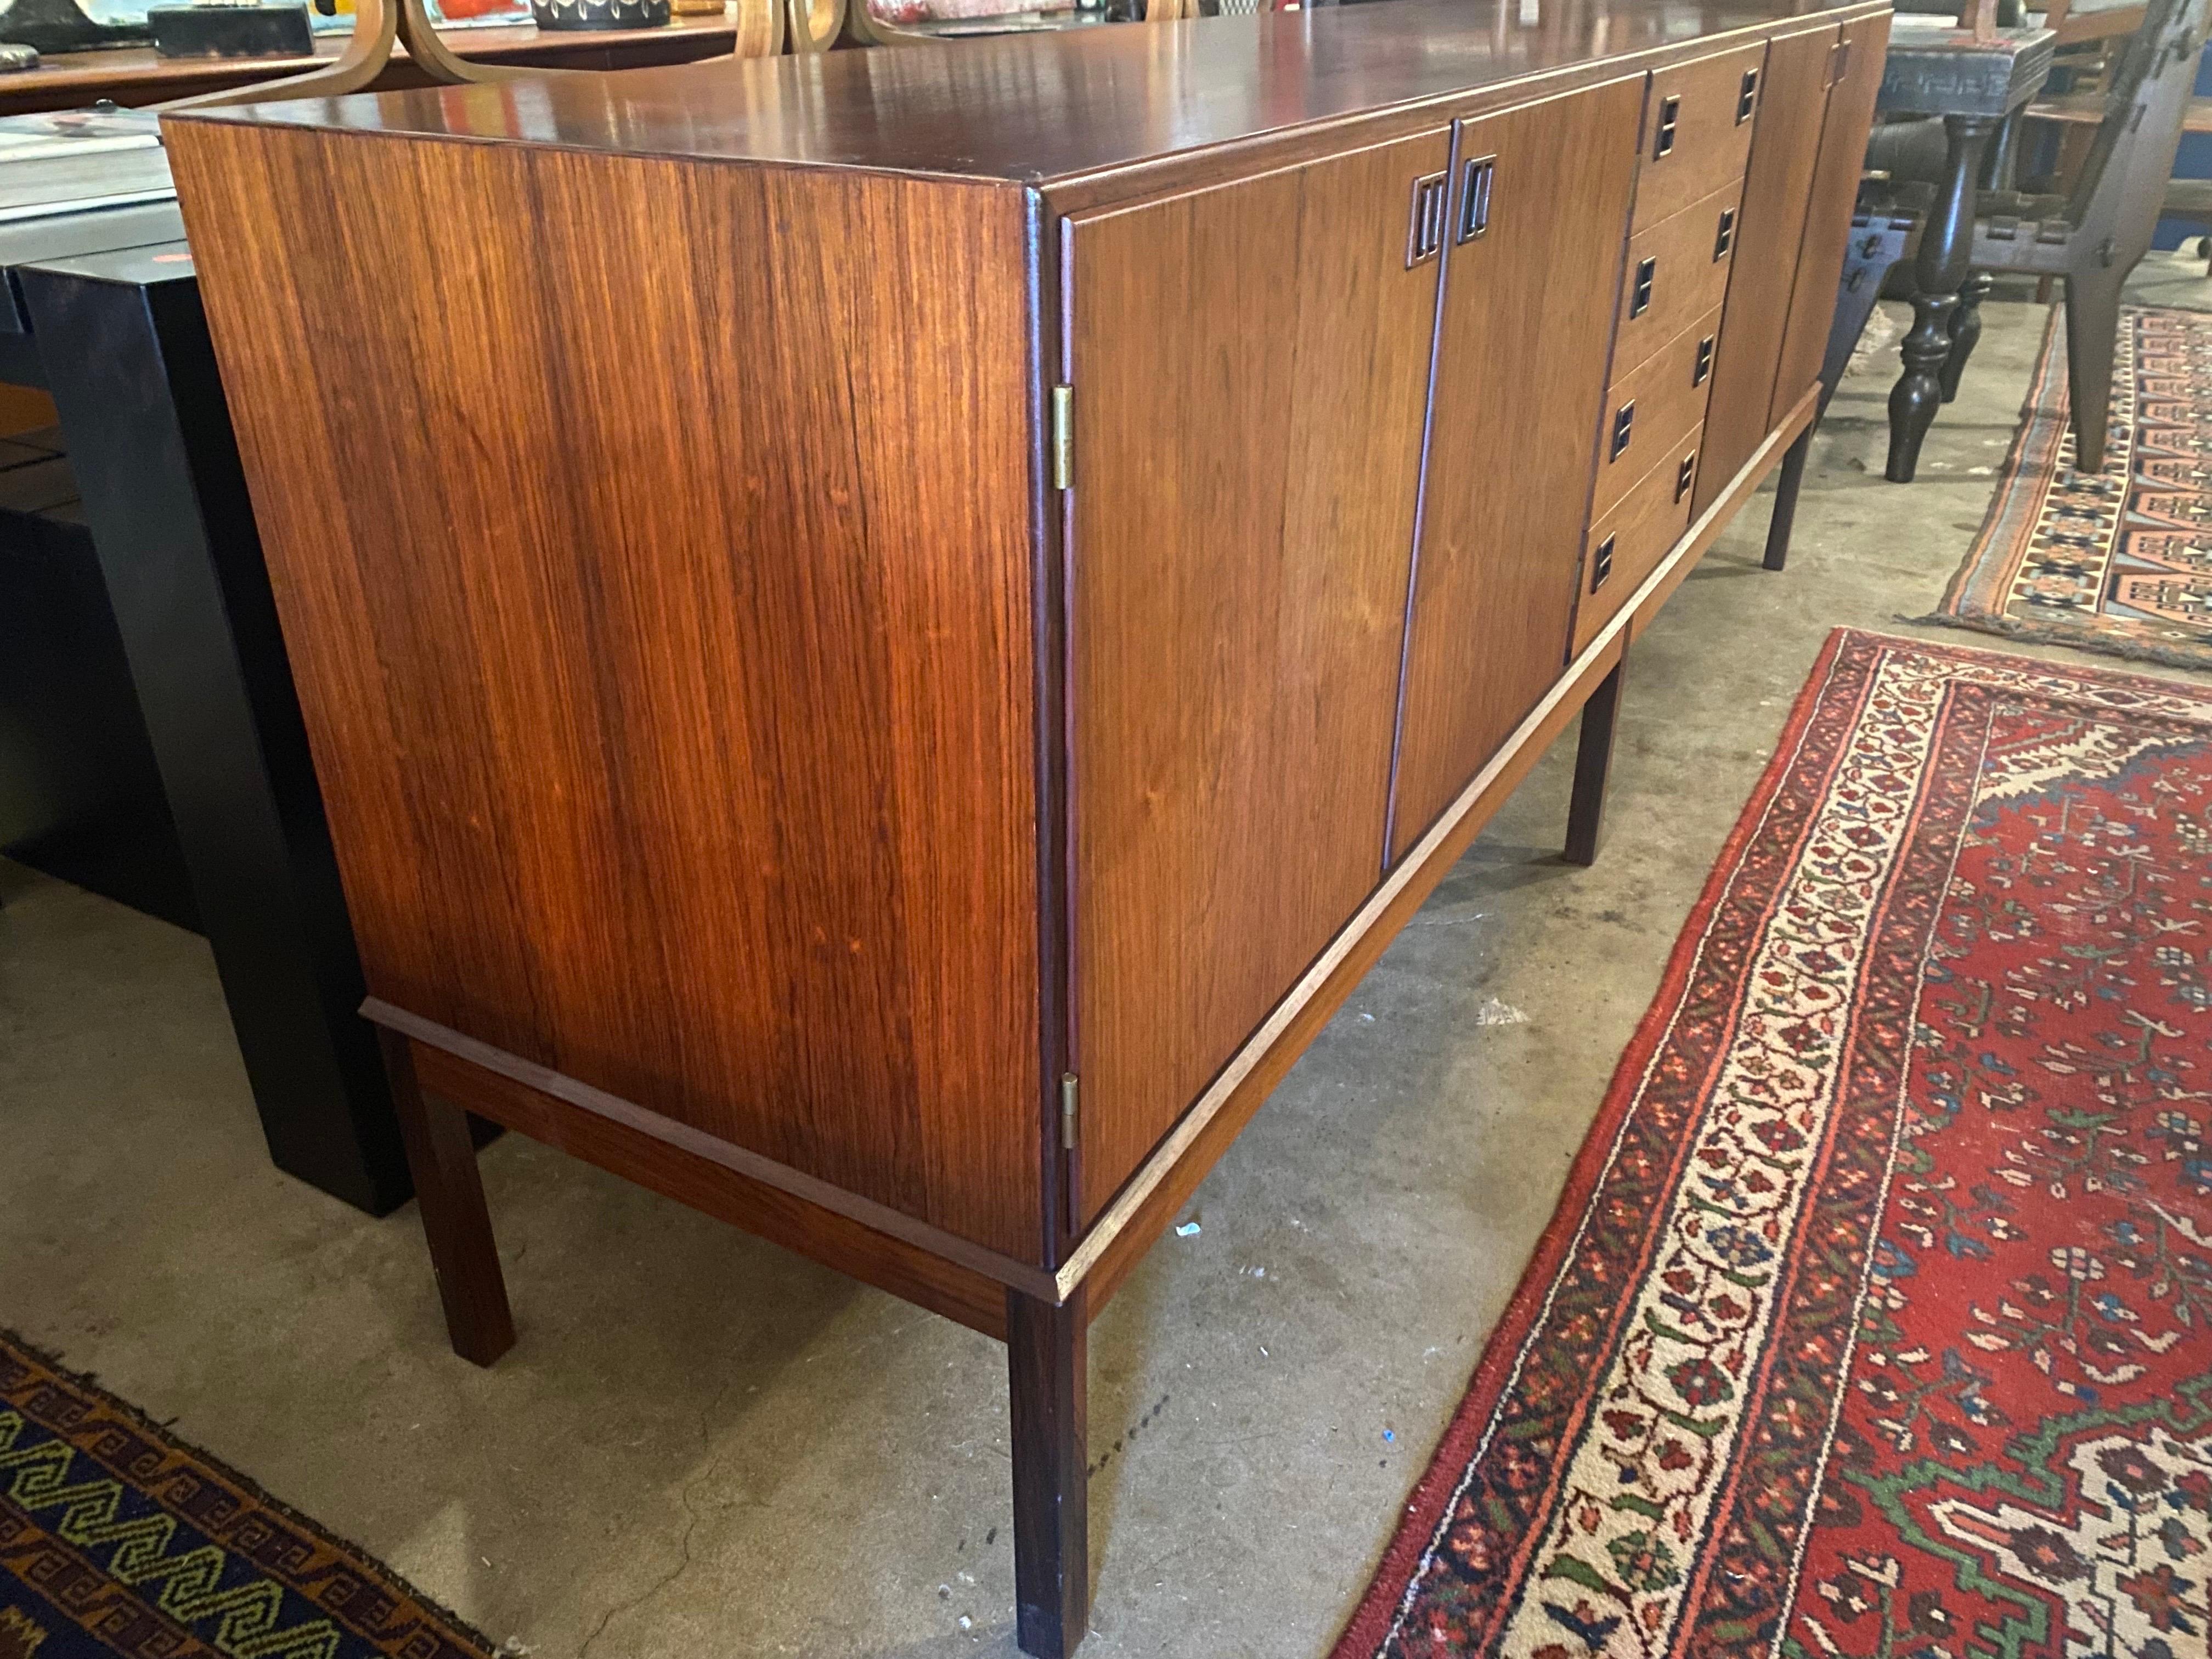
1689	197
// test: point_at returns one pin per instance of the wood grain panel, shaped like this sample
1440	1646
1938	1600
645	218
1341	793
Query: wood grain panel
661	615
1508	478
1828	210
1648	521
1688	278
890	1264
1777	187
1142	1212
1712	132
1249	367
1667	396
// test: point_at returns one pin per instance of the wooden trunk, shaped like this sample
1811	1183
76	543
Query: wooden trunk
886	635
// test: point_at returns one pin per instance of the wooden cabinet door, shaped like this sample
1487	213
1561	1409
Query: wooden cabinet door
1249	366
1793	96
1526	328
1855	78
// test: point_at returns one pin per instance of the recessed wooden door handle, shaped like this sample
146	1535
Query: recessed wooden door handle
1424	238
1475	181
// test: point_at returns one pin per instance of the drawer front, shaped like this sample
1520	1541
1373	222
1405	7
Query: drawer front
1678	270
1652	409
1697	130
1625	546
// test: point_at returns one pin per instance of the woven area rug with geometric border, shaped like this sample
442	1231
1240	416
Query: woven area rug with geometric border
1876	1318
117	1540
2117	561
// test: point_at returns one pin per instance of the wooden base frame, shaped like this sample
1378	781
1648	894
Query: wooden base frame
439	1076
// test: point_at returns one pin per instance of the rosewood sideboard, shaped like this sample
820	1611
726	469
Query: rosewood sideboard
887	635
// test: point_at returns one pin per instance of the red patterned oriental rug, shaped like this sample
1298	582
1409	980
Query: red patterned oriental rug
1876	1320
2117	561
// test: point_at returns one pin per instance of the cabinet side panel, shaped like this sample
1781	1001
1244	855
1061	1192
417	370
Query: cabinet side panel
1793	93
1828	210
1521	380
1250	368
652	544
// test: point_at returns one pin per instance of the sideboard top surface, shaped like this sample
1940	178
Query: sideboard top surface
1035	108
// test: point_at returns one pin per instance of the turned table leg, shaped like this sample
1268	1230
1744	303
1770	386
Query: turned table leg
442	1157
1966	330
1938	271
1046	1363
1593	759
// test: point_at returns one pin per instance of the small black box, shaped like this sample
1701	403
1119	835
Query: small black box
227	29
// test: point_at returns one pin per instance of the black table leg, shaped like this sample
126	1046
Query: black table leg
1938	272
131	369
1966	330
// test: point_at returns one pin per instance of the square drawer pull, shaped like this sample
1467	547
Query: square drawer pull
1685	474
1670	110
1726	239
1640	301
1623	425
1602	563
1747	100
1705	362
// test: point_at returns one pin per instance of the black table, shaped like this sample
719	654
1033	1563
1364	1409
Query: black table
103	311
1936	67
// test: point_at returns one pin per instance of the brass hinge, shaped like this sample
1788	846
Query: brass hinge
1063	436
1067	1110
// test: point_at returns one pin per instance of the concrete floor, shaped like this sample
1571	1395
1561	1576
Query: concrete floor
703	1447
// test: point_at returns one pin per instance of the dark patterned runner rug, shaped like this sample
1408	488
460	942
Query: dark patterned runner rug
1876	1320
116	1540
2120	561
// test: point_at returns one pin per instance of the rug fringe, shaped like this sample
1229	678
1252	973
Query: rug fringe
2073	638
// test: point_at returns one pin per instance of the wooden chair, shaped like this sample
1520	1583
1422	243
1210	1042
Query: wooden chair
2093	237
379	25
368	50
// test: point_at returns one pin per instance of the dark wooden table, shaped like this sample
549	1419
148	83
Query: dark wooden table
134	76
1936	67
103	310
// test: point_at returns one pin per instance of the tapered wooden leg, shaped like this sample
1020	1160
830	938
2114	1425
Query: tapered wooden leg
442	1156
2092	328
1785	516
1047	1349
1593	759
